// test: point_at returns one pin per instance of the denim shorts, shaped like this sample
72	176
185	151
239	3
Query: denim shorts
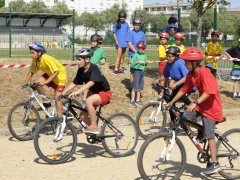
208	124
138	80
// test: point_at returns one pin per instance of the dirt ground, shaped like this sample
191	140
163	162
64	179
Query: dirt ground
19	160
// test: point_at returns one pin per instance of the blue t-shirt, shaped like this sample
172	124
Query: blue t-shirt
176	71
134	37
166	30
122	34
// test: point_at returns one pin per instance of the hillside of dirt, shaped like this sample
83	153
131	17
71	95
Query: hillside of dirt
12	80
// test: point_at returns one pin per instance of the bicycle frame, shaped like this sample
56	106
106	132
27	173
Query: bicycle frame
35	97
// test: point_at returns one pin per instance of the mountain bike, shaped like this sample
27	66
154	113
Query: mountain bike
118	135
24	117
152	117
163	155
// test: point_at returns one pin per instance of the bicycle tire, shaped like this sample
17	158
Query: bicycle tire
232	137
126	125
147	155
32	118
148	126
43	133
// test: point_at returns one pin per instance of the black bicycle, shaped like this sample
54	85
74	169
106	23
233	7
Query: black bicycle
55	139
152	117
163	155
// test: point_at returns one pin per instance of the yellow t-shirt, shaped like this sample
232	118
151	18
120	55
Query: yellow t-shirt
213	49
49	65
162	52
181	47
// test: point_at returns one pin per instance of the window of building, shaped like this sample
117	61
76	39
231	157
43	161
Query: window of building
152	9
146	9
55	1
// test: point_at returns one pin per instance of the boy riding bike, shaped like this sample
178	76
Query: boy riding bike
54	76
208	105
94	81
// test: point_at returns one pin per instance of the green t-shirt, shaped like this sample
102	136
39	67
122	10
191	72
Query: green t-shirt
138	57
171	40
98	55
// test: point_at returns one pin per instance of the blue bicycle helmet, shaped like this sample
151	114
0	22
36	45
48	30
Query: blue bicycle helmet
173	26
37	47
208	65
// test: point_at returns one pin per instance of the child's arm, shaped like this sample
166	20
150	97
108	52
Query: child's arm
49	79
83	88
28	77
115	39
69	88
85	92
103	61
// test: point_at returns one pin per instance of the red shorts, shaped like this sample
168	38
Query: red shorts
53	85
105	97
161	67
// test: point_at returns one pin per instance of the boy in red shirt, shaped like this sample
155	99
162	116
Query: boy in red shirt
208	105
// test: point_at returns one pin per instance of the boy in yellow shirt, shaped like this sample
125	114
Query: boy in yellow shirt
213	48
54	76
179	37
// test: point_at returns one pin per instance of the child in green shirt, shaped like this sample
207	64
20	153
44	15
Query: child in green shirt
138	64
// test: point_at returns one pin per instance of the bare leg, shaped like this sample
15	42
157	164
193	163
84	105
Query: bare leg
118	60
212	147
122	58
40	89
59	103
133	95
90	102
138	95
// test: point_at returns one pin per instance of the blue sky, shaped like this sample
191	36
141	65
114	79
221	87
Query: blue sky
234	3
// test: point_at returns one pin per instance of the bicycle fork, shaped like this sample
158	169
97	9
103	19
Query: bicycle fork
167	150
152	118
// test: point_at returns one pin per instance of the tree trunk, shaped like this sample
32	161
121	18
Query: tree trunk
199	30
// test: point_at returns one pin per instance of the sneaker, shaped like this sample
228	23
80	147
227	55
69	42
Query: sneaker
47	104
115	72
141	94
212	168
121	70
235	97
91	131
200	137
139	103
133	103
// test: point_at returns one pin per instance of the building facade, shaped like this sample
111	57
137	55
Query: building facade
169	9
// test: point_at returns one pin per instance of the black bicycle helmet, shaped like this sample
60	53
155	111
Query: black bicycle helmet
137	20
173	50
83	53
122	14
172	20
97	38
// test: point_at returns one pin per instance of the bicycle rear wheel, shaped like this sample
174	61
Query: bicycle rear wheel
49	150
150	119
228	154
120	135
23	120
157	160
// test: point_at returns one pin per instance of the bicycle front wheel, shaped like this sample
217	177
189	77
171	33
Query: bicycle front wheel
150	119
228	154
119	135
23	120
46	146
161	158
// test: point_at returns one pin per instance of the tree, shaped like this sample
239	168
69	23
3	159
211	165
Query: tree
61	8
2	2
201	6
85	20
18	6
37	6
157	22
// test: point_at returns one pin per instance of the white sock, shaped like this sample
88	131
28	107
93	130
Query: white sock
235	94
238	93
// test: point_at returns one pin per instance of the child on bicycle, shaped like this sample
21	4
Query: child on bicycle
98	58
138	65
54	76
92	79
208	105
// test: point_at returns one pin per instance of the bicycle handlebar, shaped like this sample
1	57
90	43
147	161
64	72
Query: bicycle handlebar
33	86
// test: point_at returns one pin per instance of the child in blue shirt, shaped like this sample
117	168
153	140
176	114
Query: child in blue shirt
120	35
138	65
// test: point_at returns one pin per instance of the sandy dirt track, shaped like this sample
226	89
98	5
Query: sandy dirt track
18	160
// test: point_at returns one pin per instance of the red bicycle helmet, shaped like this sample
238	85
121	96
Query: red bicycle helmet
179	36
141	44
164	35
192	54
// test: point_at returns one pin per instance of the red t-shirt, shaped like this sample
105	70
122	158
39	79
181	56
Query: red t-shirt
205	82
